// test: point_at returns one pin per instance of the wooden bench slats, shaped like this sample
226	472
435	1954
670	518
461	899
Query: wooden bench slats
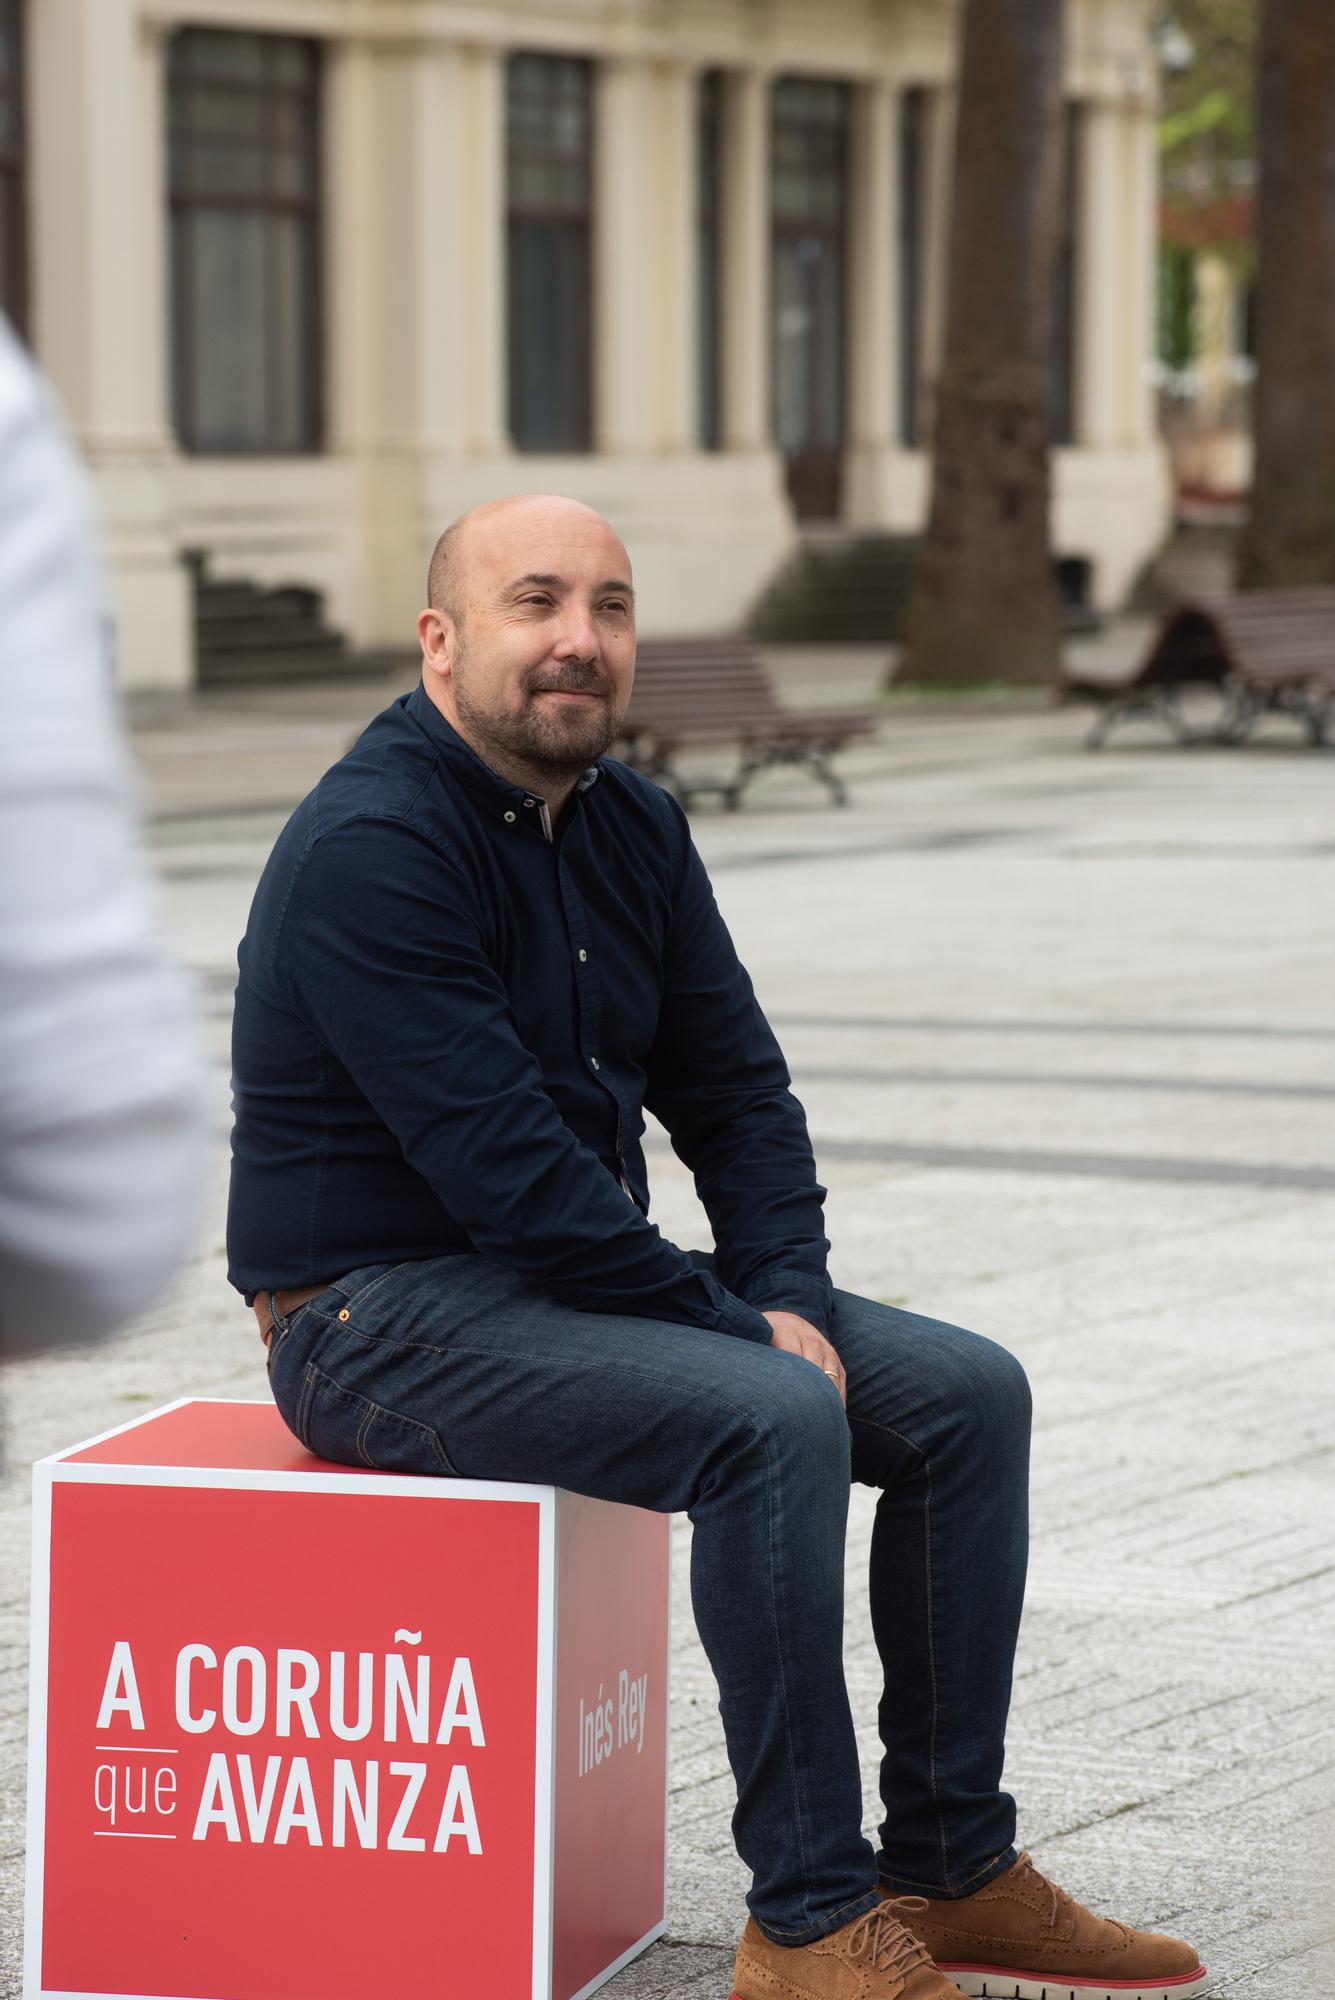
1269	651
715	689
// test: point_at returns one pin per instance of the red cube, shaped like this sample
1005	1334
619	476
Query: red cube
307	1732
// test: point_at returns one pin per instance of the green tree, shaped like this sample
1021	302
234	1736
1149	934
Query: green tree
1207	131
1290	538
983	604
1207	148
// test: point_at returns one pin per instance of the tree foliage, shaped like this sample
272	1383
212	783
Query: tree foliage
1207	131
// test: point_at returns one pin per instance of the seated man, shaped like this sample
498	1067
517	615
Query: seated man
478	952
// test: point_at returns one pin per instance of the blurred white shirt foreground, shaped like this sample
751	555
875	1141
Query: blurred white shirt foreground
101	1095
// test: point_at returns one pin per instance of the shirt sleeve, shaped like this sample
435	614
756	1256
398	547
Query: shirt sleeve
102	1113
390	968
719	1084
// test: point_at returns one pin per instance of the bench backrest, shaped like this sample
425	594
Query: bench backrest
700	680
1266	635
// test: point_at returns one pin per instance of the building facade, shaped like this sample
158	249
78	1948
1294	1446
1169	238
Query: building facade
312	276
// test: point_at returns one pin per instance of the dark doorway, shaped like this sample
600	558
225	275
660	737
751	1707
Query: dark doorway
1062	391
709	258
808	308
13	195
914	113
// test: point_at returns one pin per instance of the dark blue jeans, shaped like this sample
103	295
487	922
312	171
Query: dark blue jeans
456	1366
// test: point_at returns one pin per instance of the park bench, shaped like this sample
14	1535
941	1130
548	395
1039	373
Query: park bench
1270	652
716	693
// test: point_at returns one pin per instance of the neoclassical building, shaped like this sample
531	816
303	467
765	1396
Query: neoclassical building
311	276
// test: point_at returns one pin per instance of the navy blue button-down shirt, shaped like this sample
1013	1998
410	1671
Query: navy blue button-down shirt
451	1017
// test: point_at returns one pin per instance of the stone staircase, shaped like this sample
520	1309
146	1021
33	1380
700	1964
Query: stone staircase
246	633
852	590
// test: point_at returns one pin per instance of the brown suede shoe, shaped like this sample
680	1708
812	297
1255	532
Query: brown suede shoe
1023	1938
873	1958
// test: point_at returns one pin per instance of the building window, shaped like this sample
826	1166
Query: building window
809	206
912	184
1061	398
244	189
548	162
13	193
709	258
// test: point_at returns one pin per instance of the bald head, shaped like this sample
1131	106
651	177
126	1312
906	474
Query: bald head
528	647
498	527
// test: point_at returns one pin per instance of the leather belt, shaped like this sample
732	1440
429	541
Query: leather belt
287	1302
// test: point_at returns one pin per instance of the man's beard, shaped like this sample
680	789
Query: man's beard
558	739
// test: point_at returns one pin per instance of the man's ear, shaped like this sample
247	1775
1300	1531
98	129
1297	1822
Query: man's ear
436	634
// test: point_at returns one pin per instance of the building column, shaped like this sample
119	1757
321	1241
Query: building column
938	200
676	270
352	319
403	162
439	177
746	263
481	193
1142	222
351	306
397	171
874	319
98	115
1112	493
624	256
1100	280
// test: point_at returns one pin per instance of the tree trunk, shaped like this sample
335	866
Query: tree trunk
984	605
1290	538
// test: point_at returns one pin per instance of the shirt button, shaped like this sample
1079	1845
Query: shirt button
530	802
509	816
594	1060
583	955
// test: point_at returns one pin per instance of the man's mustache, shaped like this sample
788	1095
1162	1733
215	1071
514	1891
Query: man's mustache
575	680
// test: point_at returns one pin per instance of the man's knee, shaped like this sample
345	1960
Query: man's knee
798	1419
995	1392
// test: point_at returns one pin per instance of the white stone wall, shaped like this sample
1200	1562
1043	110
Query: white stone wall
414	307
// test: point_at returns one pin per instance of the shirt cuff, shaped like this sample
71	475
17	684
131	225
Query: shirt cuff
744	1322
802	1292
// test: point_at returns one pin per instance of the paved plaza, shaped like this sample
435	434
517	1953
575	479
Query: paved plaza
1063	1026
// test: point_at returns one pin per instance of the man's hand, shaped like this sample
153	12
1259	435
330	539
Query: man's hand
798	1336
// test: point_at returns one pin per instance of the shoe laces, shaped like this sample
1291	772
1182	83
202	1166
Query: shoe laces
881	1939
1060	1900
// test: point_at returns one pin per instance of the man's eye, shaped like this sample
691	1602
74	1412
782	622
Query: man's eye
616	604
535	600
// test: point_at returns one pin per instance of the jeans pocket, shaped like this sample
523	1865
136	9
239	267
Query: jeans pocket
338	1424
360	1289
282	1327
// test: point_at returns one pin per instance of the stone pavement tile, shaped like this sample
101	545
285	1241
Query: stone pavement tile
1310	1975
674	1970
1033	1000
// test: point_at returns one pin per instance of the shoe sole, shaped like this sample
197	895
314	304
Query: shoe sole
996	1982
993	1982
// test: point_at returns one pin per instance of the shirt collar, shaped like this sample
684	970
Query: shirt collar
493	793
